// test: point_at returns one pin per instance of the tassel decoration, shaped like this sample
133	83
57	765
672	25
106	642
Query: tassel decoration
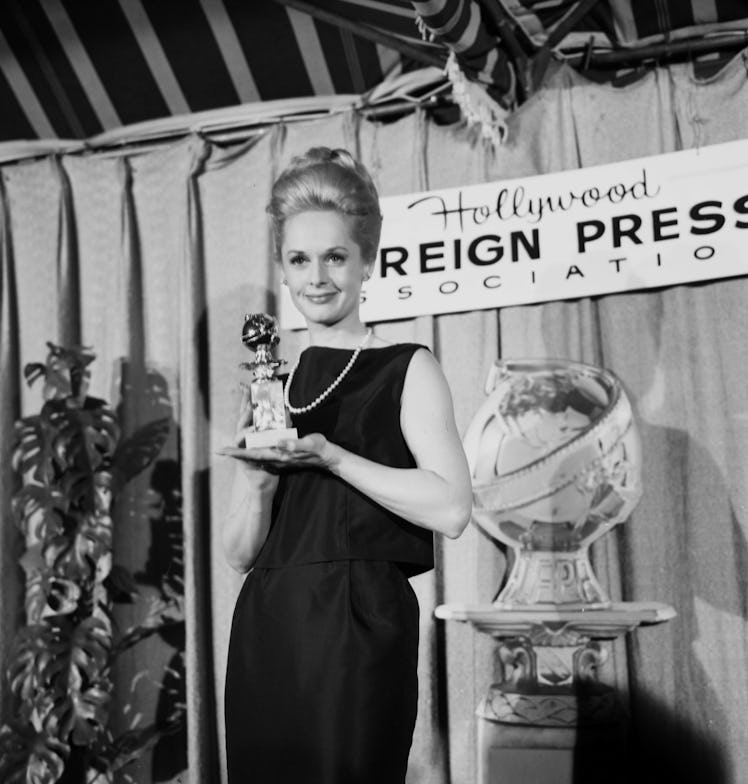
476	106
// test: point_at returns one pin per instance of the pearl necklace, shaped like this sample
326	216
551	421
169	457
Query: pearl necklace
317	400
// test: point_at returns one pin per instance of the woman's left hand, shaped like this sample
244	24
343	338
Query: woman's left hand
311	451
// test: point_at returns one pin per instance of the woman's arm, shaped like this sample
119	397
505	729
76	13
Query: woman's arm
247	521
437	494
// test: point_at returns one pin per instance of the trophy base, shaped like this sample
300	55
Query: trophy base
263	438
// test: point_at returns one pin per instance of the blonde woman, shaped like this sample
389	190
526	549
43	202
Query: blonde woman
321	685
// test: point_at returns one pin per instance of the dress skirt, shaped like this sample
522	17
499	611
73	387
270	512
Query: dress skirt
321	683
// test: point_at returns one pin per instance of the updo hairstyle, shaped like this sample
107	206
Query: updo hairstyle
325	179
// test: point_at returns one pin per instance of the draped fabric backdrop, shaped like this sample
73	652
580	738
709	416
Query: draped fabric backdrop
152	258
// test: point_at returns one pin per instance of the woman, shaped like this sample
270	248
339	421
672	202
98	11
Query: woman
321	682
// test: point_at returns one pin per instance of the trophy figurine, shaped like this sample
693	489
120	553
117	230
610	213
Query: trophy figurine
270	419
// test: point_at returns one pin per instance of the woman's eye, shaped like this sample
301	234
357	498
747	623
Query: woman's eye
297	259
335	258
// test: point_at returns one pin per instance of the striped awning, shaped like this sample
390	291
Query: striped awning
72	69
629	23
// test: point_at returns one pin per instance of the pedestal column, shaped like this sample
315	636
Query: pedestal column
549	720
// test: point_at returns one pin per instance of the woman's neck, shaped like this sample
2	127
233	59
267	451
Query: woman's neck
337	335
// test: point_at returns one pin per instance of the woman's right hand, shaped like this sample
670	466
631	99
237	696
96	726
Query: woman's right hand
258	474
244	419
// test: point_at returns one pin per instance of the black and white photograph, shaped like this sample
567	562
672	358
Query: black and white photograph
372	391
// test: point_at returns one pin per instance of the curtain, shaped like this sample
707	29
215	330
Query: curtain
152	258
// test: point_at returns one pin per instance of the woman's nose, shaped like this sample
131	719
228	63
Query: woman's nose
318	272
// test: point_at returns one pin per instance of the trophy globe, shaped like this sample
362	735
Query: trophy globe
555	460
271	422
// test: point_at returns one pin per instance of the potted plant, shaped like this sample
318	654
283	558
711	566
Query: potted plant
73	462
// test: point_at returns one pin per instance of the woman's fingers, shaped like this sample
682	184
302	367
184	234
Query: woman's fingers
310	444
286	454
239	439
244	420
245	408
250	460
254	454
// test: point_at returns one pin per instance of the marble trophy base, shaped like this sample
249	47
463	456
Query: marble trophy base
548	579
263	438
549	720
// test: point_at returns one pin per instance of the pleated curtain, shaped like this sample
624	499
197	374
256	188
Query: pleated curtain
153	257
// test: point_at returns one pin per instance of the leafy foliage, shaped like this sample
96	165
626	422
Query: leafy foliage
72	461
30	756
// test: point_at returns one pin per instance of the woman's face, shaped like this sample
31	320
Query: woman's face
323	266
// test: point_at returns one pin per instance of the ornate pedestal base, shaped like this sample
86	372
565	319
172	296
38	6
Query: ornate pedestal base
549	720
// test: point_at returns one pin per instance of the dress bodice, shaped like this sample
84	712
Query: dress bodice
317	516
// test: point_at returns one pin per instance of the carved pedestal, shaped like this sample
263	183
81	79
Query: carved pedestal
549	720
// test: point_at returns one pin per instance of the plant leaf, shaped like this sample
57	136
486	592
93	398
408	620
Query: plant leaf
84	715
66	372
34	455
30	757
34	370
59	669
37	510
29	645
84	438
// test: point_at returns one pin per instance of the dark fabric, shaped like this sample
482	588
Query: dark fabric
321	683
318	517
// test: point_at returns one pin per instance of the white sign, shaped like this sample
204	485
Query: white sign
637	224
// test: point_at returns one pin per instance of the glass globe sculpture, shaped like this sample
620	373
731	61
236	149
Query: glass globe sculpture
555	459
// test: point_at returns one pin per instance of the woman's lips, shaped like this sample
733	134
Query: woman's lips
320	298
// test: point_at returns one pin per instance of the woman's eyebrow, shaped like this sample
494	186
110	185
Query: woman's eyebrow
327	250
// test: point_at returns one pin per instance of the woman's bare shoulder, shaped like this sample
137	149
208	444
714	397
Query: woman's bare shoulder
376	342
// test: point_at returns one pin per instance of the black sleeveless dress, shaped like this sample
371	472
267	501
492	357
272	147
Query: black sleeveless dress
321	685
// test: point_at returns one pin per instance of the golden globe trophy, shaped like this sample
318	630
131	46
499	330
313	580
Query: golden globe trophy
271	421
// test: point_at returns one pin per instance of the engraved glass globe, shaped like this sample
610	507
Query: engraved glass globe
555	459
